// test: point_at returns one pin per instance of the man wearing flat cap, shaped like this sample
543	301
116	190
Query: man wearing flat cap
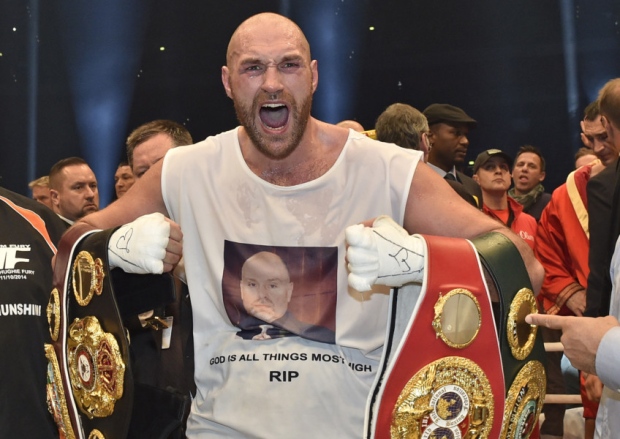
449	127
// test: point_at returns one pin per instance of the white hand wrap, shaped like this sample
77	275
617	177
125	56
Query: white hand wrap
140	246
384	254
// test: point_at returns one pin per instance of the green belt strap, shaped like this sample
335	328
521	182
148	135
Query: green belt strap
503	262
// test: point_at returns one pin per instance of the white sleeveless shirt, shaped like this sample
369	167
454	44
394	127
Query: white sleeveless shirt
286	384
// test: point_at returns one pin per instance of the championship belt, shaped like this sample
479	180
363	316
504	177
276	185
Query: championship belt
521	345
441	373
90	388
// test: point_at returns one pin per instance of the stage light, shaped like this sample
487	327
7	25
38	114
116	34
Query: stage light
102	46
334	30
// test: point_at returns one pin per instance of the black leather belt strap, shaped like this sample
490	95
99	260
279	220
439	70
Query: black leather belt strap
103	307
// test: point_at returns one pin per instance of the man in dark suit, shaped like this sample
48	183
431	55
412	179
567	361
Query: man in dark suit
449	127
601	189
602	212
603	228
73	189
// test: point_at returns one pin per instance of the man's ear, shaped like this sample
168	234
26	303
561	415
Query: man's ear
542	176
314	69
226	81
475	178
54	197
431	137
289	292
585	141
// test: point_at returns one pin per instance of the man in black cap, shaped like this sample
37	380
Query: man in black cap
449	127
492	173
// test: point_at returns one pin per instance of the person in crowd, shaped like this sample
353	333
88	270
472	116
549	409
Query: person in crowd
604	225
73	188
584	156
595	136
603	232
123	179
562	246
290	180
592	344
352	124
449	128
26	250
407	127
148	143
528	174
162	359
41	191
492	173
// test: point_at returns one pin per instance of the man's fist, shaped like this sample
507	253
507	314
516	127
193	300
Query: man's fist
150	244
383	254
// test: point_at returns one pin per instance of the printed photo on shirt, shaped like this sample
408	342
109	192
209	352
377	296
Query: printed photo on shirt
272	291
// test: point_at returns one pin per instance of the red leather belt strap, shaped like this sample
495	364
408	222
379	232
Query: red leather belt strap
451	263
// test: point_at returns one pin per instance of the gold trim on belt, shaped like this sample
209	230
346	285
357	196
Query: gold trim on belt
56	402
457	318
87	276
521	336
53	314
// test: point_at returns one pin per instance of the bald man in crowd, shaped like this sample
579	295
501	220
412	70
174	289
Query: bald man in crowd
352	124
289	180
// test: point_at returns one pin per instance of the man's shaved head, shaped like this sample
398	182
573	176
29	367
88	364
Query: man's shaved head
267	20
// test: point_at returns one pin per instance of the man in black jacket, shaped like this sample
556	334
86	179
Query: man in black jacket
28	241
449	127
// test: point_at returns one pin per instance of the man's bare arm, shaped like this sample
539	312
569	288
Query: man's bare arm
143	198
434	208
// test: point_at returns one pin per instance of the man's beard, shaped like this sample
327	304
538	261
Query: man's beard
298	118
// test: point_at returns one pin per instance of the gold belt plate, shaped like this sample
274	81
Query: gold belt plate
96	367
524	401
450	397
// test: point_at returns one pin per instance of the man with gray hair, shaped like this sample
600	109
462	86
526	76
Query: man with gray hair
405	126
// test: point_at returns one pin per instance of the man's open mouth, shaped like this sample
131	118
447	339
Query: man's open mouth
274	115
